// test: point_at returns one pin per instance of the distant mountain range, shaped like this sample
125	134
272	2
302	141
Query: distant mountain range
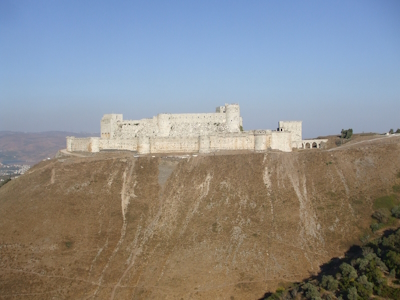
31	147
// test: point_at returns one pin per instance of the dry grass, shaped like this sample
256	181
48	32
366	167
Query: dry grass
206	227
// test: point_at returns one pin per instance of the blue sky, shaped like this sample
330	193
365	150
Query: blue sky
332	64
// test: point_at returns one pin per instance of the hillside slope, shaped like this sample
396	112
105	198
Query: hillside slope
111	226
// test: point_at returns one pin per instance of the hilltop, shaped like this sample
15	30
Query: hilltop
229	226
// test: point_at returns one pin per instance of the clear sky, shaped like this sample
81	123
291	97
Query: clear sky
332	64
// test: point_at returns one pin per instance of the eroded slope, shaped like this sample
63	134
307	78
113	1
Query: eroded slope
216	227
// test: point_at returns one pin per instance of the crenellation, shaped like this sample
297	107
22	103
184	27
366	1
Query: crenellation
191	133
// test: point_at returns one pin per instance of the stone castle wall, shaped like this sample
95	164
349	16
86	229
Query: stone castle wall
90	144
225	119
247	140
189	133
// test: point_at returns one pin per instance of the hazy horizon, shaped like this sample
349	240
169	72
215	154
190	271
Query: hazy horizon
333	65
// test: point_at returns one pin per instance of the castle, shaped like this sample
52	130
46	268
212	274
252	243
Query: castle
191	133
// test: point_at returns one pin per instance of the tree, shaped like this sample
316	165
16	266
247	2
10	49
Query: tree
352	293
329	283
348	271
311	291
398	130
346	134
343	133
349	133
391	131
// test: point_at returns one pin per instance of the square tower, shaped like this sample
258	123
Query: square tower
108	125
295	127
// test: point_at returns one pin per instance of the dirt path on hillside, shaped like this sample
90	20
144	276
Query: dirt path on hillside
365	141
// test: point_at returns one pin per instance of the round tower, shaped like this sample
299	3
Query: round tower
232	117
164	125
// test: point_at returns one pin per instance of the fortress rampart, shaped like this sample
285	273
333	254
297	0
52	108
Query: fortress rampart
190	133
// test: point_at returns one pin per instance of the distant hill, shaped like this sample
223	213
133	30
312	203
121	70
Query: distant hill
227	226
31	147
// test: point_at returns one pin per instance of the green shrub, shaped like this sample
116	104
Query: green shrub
362	263
393	241
329	283
396	211
389	292
382	215
391	131
274	297
346	134
375	227
366	276
381	264
311	291
398	130
392	260
348	271
392	273
367	250
352	293
364	288
330	297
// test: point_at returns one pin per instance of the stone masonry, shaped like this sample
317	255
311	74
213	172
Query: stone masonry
191	133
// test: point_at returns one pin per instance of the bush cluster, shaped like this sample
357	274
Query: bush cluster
346	134
358	277
391	131
385	217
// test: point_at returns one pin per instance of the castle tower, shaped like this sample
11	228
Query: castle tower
233	117
295	127
108	125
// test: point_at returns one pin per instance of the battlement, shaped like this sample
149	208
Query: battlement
192	132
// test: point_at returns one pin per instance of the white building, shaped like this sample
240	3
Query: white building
182	133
